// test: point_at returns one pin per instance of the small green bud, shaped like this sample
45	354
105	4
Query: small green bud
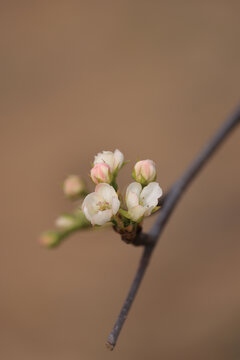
50	238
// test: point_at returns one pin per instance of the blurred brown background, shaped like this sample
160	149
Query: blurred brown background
154	79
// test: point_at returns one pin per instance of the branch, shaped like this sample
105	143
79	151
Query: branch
168	205
53	238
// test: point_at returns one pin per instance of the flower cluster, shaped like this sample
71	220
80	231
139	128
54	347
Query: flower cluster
105	203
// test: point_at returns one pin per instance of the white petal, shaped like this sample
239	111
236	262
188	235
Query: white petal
115	205
132	199
132	194
137	167
90	202
150	194
101	217
106	192
86	213
106	157
148	210
136	212
134	187
118	159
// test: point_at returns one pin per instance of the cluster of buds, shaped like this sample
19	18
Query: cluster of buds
106	204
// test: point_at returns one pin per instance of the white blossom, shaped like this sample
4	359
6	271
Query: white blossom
113	159
101	205
141	202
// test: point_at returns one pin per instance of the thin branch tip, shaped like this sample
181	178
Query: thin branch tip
168	203
110	344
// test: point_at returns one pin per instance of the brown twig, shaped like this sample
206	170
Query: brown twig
168	204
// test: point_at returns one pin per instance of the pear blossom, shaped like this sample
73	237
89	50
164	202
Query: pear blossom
144	172
101	173
101	205
113	159
73	186
142	201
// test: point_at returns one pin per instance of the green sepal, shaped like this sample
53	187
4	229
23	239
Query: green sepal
115	172
134	174
139	220
124	213
125	163
114	184
114	222
155	209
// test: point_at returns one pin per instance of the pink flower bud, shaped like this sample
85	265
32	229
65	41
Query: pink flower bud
144	172
49	238
101	173
74	186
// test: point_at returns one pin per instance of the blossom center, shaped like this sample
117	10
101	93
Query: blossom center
103	205
141	202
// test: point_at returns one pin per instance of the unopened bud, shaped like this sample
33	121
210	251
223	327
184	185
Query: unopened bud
74	186
65	221
101	173
49	238
144	172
